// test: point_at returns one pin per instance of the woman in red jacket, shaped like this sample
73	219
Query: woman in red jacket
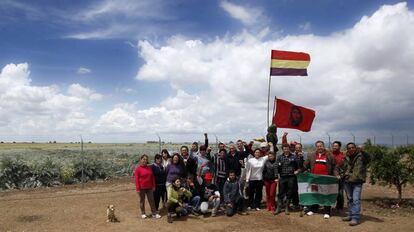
145	185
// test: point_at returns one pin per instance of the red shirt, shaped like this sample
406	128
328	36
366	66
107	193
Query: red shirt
339	157
320	167
144	178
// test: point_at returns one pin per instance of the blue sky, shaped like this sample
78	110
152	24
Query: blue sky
98	45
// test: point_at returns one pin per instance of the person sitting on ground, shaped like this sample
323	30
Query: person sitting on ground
233	195
210	195
176	195
194	200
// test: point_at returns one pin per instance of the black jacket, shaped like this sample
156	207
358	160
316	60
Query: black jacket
159	174
270	170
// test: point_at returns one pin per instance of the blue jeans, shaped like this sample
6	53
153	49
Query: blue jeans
353	193
194	204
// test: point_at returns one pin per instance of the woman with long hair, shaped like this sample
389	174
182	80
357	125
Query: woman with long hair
175	170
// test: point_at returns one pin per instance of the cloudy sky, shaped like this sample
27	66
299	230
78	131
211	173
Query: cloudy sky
123	71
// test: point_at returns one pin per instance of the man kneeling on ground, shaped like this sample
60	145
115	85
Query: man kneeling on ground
233	196
210	195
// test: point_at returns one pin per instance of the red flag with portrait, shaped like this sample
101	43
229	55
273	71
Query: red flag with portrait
291	116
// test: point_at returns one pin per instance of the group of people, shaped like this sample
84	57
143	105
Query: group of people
231	180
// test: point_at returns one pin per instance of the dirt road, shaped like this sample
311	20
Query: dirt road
72	208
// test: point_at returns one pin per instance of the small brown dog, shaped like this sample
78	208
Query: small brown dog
110	214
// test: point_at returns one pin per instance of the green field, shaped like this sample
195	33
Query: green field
28	165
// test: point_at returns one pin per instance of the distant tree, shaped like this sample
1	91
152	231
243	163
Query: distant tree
54	141
393	167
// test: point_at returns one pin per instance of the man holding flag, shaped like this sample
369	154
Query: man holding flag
321	163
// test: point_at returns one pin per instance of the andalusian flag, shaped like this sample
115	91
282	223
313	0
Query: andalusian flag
286	63
317	189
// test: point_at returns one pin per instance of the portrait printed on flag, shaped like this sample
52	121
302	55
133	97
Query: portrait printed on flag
296	117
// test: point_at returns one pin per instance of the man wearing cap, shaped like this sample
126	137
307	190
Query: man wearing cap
210	195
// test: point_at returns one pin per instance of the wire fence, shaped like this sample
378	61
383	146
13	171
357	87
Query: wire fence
34	164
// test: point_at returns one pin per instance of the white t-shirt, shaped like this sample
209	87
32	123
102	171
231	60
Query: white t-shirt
255	168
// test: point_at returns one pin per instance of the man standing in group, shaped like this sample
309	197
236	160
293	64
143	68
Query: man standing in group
194	146
219	169
339	159
355	174
321	163
287	168
190	162
233	161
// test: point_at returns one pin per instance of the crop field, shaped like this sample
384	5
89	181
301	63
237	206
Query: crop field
28	165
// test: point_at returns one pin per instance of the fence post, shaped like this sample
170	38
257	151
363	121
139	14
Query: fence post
353	137
392	140
407	141
83	163
329	140
159	143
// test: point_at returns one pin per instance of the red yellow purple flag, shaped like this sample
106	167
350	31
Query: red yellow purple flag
285	63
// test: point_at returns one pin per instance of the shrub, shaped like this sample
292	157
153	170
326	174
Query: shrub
392	167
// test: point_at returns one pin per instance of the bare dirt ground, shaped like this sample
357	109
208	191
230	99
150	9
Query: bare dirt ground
73	208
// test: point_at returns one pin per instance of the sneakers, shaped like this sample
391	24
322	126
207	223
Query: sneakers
249	208
156	216
309	213
326	216
346	219
353	223
257	209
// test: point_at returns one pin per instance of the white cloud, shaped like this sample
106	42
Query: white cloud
40	110
306	26
83	70
246	14
121	19
359	80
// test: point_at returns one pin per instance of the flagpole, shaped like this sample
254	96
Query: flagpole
274	108
268	91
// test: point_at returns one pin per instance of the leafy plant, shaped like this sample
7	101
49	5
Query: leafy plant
392	167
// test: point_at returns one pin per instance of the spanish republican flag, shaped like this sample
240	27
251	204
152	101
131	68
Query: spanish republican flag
286	63
291	116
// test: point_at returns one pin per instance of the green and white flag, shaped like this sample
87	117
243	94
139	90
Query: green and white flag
317	189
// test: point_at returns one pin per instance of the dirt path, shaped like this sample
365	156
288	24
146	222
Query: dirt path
71	208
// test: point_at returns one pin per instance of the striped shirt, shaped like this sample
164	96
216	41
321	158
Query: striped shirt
219	167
